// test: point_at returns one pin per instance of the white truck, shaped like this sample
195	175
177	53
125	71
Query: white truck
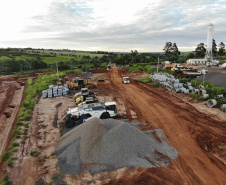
223	66
78	115
125	80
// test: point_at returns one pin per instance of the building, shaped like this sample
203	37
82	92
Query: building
194	61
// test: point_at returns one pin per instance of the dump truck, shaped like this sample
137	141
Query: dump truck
80	114
125	80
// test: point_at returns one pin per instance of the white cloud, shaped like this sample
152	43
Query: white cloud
105	24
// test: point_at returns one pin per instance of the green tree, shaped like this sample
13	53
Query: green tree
171	51
190	55
134	55
214	48
200	51
221	49
167	48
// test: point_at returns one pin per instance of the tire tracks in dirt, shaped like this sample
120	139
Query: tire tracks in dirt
186	129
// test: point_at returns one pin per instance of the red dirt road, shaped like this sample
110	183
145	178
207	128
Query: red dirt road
194	135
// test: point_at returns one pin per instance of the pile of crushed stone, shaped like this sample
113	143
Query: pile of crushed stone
104	145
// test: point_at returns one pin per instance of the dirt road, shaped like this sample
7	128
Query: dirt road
194	134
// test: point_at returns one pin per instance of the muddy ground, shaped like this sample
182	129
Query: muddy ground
195	130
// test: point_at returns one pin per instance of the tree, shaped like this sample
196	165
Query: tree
134	55
214	48
190	55
221	49
175	50
167	48
200	51
171	51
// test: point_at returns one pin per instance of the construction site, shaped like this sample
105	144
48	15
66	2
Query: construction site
104	127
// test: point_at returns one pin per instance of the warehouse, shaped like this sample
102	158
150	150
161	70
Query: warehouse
196	61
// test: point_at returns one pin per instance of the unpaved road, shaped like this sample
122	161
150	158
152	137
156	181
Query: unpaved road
194	134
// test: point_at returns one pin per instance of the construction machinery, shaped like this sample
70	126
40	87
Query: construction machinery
77	83
80	114
84	97
101	79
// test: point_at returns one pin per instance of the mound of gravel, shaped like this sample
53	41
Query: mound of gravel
216	78
103	145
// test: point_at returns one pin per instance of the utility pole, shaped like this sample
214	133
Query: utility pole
57	71
158	65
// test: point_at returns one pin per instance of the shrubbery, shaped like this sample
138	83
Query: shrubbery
6	155
155	84
145	79
5	181
144	67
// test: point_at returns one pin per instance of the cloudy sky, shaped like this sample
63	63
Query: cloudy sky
110	25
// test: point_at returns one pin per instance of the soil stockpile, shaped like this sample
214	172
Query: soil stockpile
104	145
216	78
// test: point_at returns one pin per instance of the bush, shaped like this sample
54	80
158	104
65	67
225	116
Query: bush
19	124
34	153
10	162
6	155
155	84
6	181
16	132
144	79
15	144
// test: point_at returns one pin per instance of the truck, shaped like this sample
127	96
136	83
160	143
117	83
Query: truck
80	114
125	80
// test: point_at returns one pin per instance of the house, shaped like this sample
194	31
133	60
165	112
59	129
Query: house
196	61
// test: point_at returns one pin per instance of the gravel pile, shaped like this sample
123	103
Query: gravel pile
216	78
103	145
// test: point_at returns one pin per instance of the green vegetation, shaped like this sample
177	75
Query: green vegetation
171	51
18	61
6	181
35	87
155	84
16	132
14	144
145	79
6	155
144	67
34	153
211	89
11	161
196	96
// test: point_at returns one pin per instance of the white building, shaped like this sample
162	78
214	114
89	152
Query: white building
196	61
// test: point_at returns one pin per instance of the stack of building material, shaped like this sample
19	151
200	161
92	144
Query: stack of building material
44	93
50	92
55	91
60	90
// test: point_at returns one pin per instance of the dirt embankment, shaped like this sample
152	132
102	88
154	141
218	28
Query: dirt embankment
194	134
11	96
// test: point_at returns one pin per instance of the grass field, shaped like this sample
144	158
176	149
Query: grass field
48	56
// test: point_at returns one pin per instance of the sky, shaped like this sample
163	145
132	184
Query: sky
110	25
